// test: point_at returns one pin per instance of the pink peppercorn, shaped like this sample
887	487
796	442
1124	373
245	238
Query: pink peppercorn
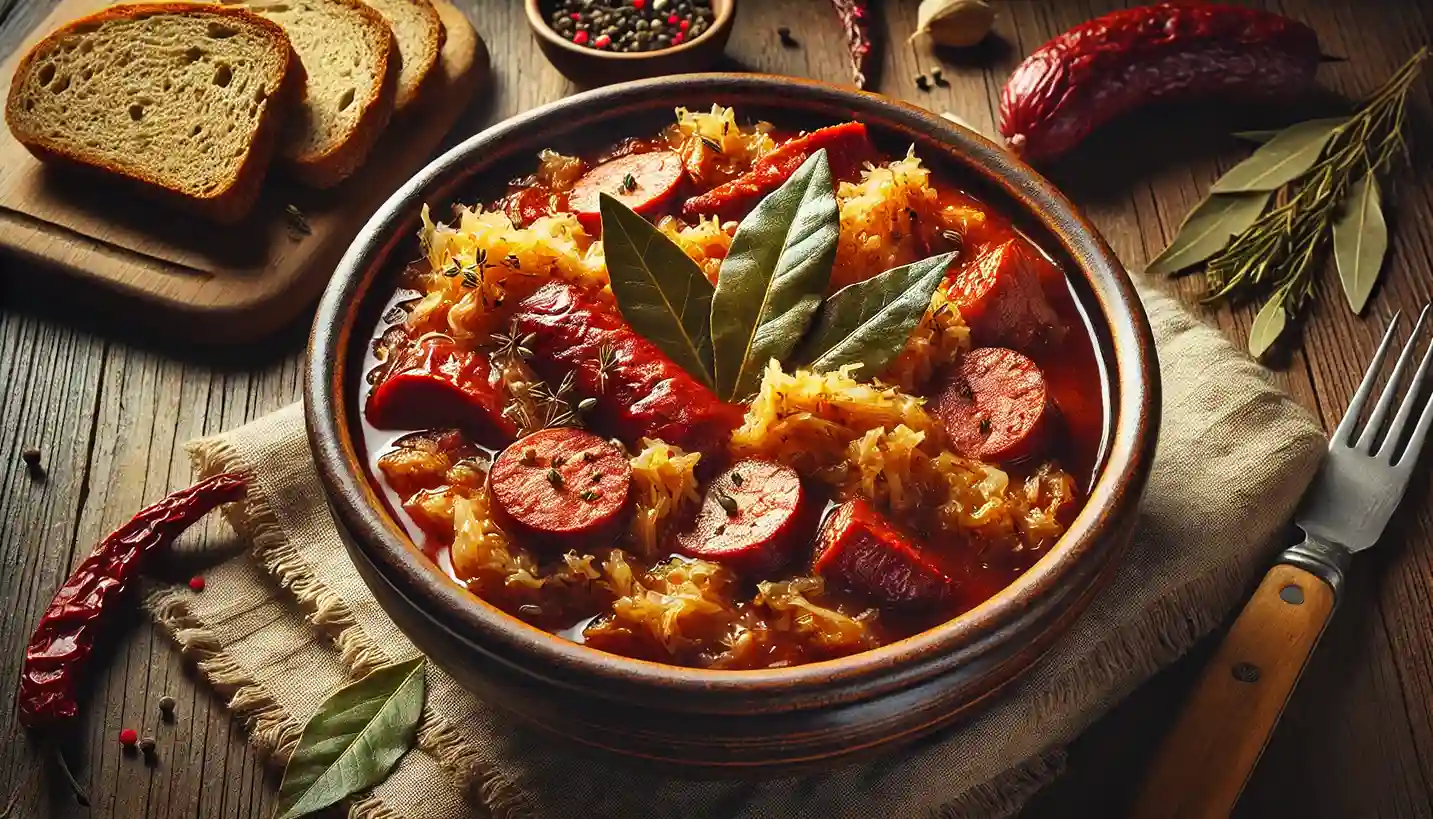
196	583
602	42
128	736
574	15
678	38
684	25
580	38
673	20
639	4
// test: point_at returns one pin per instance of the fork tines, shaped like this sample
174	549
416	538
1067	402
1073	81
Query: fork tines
1387	436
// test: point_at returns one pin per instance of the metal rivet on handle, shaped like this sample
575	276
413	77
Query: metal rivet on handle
1292	594
1246	672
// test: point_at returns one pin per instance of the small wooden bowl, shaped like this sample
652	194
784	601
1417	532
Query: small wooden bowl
732	723
591	67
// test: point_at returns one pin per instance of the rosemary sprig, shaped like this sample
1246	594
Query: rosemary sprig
1285	242
1279	253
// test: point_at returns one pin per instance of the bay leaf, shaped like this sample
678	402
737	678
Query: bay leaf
354	739
869	322
1282	159
1268	326
1207	229
1360	241
660	291
773	277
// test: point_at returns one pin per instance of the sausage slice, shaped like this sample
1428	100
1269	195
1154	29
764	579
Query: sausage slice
859	550
753	516
995	406
563	488
654	177
1000	297
437	384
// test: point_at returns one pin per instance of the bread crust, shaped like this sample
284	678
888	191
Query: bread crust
427	60
324	169
228	204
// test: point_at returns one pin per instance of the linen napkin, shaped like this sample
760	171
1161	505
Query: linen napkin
280	627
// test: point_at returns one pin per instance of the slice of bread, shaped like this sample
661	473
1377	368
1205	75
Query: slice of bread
184	100
352	62
419	33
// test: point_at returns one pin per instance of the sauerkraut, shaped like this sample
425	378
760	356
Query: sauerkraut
482	262
664	481
880	219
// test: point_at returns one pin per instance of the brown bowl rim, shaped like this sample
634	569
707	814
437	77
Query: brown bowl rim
725	15
1130	435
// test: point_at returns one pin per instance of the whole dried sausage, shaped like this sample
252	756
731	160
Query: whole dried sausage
1103	68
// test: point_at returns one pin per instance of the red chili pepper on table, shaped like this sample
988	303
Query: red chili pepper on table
1108	66
855	18
64	640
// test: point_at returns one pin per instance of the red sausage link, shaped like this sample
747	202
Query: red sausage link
995	406
752	517
1108	66
640	392
655	177
563	488
858	549
1001	299
436	384
847	146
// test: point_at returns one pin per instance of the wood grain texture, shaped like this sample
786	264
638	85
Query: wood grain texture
1224	725
110	407
198	280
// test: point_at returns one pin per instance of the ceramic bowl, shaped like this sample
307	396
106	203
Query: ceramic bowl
730	722
590	67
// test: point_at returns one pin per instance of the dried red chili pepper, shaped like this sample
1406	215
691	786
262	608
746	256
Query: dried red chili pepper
855	18
1168	52
64	640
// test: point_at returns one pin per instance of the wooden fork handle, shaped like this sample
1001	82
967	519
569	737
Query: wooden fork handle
1208	755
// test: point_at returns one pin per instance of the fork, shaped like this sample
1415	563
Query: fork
1205	761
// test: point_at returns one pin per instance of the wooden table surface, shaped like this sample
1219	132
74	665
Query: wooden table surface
111	404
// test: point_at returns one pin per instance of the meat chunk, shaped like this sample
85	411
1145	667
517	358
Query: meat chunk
437	384
643	182
640	393
859	550
1000	296
994	406
753	516
562	488
847	146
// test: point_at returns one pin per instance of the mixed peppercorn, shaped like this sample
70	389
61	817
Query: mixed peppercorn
631	25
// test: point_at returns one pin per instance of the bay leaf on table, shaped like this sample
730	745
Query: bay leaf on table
660	291
1360	241
1207	229
1258	136
869	322
773	277
1268	326
354	739
1282	159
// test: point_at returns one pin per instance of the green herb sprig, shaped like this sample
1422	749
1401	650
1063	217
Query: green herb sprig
1321	177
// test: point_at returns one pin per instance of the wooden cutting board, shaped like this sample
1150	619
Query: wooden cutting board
196	280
